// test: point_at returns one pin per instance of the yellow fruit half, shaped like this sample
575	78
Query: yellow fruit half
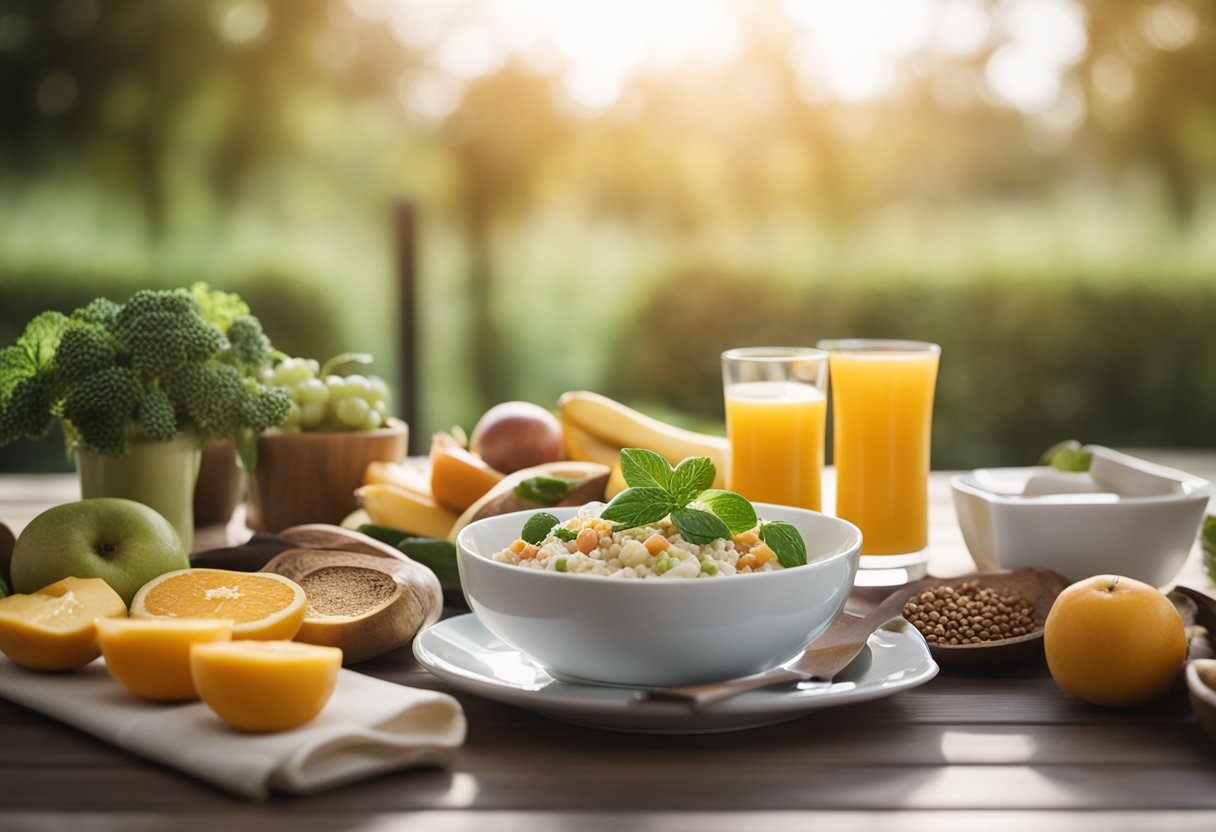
260	605
151	656
1114	641
52	629
264	686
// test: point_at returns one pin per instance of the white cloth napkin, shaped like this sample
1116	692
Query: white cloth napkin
368	727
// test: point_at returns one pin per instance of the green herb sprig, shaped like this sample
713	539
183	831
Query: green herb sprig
701	514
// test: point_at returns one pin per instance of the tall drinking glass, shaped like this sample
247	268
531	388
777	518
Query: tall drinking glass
882	404
776	406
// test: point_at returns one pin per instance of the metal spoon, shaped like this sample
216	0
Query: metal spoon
822	659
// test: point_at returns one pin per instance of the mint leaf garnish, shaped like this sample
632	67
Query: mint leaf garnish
645	469
565	535
785	541
538	527
734	509
639	506
547	491
691	477
698	526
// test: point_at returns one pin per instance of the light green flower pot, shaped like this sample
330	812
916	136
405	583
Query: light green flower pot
157	474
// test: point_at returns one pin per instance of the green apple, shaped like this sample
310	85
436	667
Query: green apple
123	542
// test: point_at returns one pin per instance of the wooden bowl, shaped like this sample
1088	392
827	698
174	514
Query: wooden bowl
306	477
1037	585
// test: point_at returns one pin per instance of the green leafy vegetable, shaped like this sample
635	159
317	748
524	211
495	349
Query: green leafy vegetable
736	512
785	541
645	469
698	526
154	364
538	527
639	506
547	491
565	535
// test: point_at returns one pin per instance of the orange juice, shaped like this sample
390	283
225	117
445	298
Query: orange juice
776	433
883	409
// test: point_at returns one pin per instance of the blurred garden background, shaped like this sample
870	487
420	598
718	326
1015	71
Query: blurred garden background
609	193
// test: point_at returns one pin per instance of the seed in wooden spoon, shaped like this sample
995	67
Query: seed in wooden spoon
969	614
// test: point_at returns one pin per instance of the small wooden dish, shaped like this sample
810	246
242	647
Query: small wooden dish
1037	585
311	477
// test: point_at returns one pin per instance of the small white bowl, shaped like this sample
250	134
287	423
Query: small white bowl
659	631
1124	516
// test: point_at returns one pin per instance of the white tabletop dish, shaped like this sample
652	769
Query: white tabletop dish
1124	516
462	652
659	631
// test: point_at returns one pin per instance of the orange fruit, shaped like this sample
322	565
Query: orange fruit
1114	641
260	605
264	686
151	656
52	629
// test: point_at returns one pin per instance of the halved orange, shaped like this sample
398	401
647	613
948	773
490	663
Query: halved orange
265	686
151	656
260	605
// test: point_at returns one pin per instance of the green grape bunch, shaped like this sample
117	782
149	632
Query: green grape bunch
324	401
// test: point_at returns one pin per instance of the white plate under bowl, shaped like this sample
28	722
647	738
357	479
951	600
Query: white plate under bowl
462	652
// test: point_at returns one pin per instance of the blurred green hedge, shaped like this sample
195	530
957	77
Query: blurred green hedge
294	313
1026	360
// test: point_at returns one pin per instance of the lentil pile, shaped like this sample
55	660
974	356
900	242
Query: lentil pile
969	614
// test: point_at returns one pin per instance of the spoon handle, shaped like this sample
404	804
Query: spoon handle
702	696
822	659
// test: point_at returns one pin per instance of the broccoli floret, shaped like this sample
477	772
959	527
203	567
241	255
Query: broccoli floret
100	311
156	414
164	331
250	348
219	401
102	406
85	348
154	363
28	409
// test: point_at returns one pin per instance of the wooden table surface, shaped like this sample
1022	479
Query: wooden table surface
997	750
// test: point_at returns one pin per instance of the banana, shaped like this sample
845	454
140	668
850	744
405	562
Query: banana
584	447
400	508
614	424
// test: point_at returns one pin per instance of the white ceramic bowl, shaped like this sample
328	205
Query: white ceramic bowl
659	631
1124	516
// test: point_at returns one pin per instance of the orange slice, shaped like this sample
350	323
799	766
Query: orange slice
52	629
151	656
264	686
260	605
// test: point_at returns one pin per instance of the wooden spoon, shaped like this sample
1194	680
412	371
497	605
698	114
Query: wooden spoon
1038	586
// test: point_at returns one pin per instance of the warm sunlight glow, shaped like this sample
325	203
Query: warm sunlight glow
847	51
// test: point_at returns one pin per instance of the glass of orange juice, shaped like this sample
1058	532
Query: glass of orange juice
776	406
882	414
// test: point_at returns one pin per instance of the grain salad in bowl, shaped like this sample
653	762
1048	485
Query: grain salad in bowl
587	544
586	618
666	524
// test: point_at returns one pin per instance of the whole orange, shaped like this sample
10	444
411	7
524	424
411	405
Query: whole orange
1114	641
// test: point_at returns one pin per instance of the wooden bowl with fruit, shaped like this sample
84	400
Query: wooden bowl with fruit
308	472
